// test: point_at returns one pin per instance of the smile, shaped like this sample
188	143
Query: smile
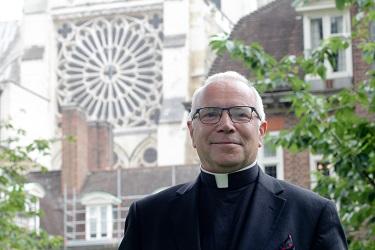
226	142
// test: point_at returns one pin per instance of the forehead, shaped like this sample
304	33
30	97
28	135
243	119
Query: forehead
225	94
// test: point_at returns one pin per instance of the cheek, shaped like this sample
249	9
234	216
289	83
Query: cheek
195	136
254	139
193	141
259	140
200	138
192	132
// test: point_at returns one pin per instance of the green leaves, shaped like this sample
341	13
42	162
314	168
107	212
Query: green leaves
255	59
368	50
340	4
339	126
218	43
15	160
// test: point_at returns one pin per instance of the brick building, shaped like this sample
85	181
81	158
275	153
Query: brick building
112	76
115	159
87	200
285	30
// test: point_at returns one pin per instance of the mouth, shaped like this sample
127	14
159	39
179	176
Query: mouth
225	143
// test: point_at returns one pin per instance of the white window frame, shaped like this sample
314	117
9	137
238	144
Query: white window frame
277	160
97	215
33	191
94	202
313	161
326	15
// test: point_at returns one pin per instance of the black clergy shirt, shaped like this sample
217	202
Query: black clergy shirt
223	209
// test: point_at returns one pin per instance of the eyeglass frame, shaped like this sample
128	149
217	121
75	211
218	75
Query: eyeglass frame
253	109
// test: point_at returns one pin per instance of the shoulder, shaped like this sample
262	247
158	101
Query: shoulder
158	204
309	198
294	190
294	193
303	203
308	212
164	196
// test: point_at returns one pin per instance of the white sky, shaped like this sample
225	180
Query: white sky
10	10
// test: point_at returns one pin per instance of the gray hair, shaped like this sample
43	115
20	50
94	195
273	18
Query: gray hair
232	77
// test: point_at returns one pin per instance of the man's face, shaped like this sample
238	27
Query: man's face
226	146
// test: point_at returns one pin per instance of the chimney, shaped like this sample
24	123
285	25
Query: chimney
100	145
74	152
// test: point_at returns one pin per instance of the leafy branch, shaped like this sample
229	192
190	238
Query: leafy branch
15	161
329	125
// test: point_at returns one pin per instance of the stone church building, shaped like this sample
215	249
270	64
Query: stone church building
117	77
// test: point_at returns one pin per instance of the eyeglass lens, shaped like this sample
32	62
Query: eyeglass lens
212	115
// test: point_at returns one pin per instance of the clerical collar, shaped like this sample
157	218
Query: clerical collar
235	179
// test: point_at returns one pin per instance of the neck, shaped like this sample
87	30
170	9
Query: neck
209	171
232	180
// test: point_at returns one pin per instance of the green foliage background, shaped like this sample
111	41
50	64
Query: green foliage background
14	163
328	125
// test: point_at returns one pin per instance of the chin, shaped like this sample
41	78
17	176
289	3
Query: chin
229	160
229	165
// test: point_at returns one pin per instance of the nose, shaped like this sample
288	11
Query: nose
225	125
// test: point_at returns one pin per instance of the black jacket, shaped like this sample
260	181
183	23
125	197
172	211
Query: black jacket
281	216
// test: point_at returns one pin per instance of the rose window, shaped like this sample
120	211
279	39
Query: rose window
111	68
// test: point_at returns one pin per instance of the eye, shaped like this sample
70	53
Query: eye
209	114
241	113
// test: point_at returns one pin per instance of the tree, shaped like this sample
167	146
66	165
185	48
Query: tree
330	126
15	161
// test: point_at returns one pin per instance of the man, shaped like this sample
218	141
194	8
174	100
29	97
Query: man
232	204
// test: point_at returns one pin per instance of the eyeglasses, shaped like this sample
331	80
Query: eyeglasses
238	114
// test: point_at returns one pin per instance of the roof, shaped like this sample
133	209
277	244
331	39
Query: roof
276	26
151	178
52	203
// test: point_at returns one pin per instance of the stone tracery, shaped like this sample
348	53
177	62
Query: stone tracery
111	68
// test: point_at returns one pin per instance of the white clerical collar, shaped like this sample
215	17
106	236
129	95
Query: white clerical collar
222	178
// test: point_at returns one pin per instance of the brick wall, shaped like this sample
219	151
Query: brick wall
297	168
100	146
296	165
90	150
359	66
74	152
275	122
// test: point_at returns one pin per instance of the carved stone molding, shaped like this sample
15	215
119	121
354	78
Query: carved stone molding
111	67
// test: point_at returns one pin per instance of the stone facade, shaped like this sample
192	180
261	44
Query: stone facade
119	73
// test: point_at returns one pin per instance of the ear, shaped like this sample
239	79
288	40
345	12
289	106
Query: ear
191	131
262	132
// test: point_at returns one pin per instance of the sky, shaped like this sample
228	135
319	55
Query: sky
10	10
